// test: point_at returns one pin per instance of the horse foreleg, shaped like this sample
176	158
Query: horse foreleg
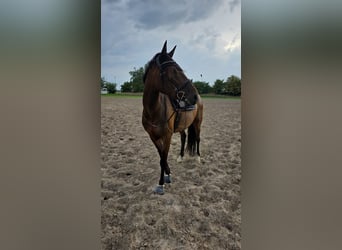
163	158
181	155
163	146
162	170
165	169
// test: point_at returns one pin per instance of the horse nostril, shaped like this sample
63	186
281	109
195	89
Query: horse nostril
195	97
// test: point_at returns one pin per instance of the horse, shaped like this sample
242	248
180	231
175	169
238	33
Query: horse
171	104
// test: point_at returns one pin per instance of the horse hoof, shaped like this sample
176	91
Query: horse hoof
159	190
198	159
167	178
179	159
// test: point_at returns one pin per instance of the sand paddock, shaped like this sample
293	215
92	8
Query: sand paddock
201	208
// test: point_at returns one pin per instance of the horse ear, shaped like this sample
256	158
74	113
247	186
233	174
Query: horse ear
164	48
172	51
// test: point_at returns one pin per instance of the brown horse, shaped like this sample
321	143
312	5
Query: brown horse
171	104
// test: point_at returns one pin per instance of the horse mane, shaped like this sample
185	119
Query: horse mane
146	69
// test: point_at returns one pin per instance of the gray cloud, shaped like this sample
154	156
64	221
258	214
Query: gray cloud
207	37
132	31
233	4
112	1
153	18
151	14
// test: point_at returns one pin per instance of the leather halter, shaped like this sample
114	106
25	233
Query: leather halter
180	94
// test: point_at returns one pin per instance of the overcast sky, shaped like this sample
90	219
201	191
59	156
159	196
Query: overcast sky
207	34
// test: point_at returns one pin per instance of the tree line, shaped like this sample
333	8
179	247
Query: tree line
230	86
111	87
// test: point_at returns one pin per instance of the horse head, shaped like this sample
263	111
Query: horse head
169	78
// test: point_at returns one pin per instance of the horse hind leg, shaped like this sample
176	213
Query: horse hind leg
198	139
194	141
181	155
198	151
191	145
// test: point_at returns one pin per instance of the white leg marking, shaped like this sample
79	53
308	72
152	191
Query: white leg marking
198	159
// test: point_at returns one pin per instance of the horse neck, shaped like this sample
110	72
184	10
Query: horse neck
151	100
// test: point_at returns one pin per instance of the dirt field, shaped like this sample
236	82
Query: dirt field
201	208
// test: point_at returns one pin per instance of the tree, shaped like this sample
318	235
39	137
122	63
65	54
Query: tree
137	79
111	87
219	87
233	86
202	87
127	87
103	82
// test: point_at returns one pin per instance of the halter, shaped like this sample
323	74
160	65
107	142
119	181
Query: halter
180	94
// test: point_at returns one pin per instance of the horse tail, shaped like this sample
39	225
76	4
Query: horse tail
191	145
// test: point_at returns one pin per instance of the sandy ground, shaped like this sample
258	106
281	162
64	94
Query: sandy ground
201	208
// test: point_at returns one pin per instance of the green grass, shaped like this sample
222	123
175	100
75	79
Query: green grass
139	95
207	96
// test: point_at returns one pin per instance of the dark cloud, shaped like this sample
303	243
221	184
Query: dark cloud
153	18
151	14
133	30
